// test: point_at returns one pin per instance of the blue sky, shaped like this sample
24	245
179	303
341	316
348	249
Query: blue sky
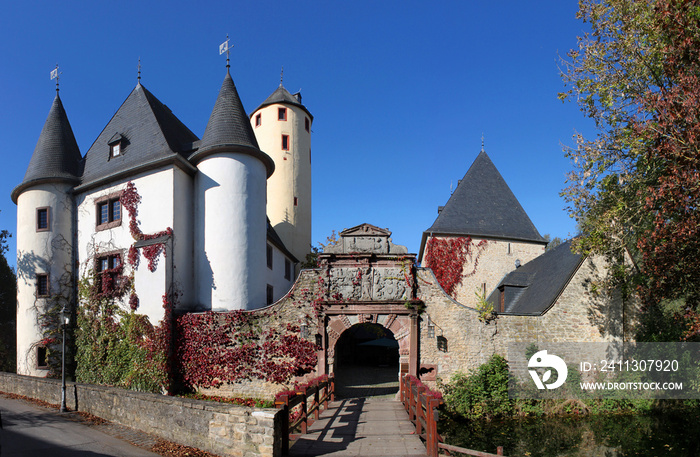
401	92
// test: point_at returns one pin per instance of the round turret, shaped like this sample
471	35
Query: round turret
282	126
45	217
230	221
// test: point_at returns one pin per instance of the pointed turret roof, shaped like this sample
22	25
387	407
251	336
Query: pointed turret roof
483	205
229	128
283	97
149	133
56	156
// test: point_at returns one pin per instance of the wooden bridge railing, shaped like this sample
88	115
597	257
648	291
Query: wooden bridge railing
422	407
312	398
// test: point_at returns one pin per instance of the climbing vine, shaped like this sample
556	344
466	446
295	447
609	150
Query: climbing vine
447	258
217	348
117	346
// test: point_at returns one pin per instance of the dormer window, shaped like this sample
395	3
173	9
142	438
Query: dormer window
115	150
282	114
115	145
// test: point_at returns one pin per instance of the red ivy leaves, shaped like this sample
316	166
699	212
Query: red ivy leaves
130	200
447	257
217	348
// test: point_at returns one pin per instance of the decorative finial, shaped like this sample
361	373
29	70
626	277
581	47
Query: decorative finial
282	75
139	71
482	141
54	75
223	47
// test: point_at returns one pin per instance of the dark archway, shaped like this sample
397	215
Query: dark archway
366	362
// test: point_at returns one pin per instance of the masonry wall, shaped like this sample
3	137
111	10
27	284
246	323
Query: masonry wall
215	427
582	313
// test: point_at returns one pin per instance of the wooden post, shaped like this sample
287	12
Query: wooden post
419	409
317	402
285	424
304	411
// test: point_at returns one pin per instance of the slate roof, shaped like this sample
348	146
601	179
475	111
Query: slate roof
282	96
275	239
56	156
229	128
534	287
147	124
483	205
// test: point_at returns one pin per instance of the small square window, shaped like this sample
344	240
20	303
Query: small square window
269	257
115	149
287	269
296	201
282	114
258	120
42	285
285	142
270	295
42	359
42	219
307	124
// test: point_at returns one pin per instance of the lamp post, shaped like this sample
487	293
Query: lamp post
65	320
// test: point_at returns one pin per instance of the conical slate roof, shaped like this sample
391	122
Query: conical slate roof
56	156
228	123
283	97
229	129
483	205
149	133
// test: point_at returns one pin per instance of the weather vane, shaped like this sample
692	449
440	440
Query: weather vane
482	141
139	71
54	75
282	75
223	47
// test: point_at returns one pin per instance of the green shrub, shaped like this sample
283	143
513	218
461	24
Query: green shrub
482	394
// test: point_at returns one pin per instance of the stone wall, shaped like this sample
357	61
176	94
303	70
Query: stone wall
223	429
580	314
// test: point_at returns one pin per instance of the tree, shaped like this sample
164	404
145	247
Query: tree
635	186
8	308
552	243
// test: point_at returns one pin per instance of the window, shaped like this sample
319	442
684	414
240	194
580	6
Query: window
107	275
115	149
287	269
258	120
109	212
282	114
270	295
285	142
296	201
42	360
307	124
42	285
42	219
269	257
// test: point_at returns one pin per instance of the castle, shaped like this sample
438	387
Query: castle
227	216
152	212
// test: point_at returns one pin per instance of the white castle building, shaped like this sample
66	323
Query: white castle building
231	211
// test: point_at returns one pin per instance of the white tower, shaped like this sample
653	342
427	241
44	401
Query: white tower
282	126
45	218
230	221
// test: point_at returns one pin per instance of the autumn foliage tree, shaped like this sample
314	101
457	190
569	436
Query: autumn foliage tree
637	184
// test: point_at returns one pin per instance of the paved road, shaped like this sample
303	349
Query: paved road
31	431
367	427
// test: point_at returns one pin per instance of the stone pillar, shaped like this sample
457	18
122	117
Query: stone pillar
413	358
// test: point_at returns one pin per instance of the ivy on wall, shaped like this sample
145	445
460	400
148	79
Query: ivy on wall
217	348
114	345
447	258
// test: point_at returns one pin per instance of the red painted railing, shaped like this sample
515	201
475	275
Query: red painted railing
422	407
313	398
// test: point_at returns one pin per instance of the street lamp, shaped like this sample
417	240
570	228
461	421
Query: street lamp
65	320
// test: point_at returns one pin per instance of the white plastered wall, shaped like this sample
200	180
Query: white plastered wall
292	176
275	275
48	252
230	232
155	214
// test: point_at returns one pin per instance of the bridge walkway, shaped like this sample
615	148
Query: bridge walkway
367	427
